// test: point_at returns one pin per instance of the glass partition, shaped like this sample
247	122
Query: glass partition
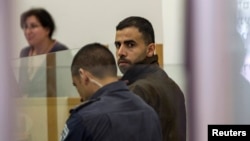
31	77
64	82
46	93
45	75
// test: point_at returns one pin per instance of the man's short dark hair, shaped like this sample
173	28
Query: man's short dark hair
95	58
143	25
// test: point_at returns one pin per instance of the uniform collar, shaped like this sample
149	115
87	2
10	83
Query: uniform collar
109	88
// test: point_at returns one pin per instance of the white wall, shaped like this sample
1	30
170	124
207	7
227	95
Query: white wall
173	31
173	17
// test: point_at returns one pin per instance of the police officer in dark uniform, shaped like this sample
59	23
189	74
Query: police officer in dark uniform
110	112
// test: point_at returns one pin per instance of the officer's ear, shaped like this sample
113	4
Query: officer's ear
83	75
81	72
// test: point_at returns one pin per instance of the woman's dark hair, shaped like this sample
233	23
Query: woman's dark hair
43	17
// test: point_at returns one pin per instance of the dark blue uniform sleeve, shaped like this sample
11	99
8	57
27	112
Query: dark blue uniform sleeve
73	129
94	129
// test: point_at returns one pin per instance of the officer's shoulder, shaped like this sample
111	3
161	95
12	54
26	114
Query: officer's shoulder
84	104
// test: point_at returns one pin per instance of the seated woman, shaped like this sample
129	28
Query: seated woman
38	27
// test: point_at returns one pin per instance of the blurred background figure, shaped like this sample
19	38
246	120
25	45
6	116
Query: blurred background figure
38	27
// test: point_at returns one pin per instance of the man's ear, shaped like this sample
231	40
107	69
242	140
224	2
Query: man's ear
83	75
151	50
81	71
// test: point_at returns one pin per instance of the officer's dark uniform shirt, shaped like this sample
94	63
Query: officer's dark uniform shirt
113	113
